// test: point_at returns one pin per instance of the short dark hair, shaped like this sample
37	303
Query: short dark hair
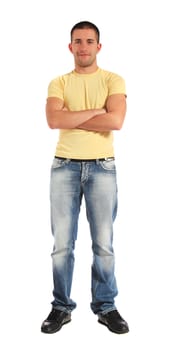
84	25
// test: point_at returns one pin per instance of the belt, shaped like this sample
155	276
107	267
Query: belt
86	160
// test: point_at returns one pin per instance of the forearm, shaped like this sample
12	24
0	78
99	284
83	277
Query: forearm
64	119
104	122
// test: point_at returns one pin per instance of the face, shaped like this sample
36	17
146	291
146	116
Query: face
84	47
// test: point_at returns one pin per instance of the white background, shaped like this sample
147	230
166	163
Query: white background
136	39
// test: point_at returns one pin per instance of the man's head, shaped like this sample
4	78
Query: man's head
85	45
86	25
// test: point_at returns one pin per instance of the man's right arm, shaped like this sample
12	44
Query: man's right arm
58	117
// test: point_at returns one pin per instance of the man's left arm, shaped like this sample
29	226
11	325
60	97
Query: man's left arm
112	119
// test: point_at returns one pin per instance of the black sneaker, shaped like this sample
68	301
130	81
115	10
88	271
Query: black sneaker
114	322
55	320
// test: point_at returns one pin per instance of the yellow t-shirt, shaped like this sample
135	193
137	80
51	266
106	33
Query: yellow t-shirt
80	92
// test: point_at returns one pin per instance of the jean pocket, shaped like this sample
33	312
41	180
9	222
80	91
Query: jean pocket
108	164
58	163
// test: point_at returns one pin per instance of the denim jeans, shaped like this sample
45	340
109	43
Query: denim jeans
96	181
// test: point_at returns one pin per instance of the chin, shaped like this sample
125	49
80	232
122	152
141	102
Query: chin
85	64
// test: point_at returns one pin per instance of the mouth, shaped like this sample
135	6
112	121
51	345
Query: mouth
83	55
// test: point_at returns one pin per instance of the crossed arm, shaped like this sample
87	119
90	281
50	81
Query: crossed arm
110	118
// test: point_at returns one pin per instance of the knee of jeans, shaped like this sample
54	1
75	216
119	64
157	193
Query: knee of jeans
63	249
61	255
102	250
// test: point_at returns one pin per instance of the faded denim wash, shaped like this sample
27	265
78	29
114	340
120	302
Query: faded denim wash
96	181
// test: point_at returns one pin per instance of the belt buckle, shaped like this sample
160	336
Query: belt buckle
109	158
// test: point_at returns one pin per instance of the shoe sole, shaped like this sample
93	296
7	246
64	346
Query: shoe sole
56	329
116	331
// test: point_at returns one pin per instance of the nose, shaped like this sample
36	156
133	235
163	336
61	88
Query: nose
83	45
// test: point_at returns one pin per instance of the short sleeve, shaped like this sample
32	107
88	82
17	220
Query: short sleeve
56	88
116	85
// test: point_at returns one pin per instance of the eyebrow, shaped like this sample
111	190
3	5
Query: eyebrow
89	39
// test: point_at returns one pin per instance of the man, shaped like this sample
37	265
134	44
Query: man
86	104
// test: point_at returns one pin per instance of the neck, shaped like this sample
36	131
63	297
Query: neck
86	70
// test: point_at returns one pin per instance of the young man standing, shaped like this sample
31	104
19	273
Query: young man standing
86	104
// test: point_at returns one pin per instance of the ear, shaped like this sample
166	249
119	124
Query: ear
70	47
99	46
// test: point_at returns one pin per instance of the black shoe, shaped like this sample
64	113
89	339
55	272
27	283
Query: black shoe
55	320
114	322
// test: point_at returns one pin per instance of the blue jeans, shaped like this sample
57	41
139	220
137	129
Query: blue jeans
96	181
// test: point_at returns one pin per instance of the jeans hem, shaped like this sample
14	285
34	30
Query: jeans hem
104	312
61	308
